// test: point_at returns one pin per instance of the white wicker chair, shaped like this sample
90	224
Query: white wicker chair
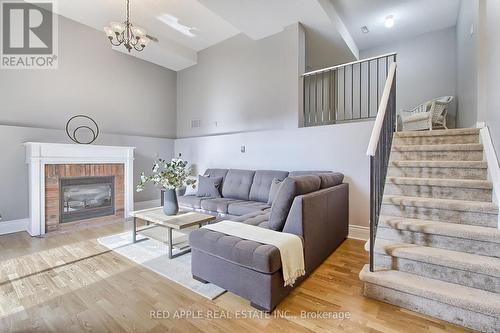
427	116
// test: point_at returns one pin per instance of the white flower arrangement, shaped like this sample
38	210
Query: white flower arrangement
168	175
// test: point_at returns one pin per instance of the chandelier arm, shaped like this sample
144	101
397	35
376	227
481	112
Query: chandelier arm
134	41
117	43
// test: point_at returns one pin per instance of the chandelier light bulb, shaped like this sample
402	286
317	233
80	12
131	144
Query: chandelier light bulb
109	32
138	31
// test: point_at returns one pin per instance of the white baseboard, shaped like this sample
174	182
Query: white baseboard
10	227
146	204
359	232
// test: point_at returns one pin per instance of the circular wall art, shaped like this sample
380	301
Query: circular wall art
82	129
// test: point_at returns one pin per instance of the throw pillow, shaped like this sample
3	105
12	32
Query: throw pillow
209	187
289	189
190	190
331	179
275	186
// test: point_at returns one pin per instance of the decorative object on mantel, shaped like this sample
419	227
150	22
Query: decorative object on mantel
169	176
91	127
126	34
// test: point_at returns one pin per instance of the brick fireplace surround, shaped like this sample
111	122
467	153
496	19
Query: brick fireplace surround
49	162
54	172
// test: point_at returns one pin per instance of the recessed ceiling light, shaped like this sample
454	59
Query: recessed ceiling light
364	29
389	21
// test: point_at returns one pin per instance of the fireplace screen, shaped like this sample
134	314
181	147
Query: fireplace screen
85	198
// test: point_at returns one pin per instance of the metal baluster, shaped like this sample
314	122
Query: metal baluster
335	73
378	79
322	97
315	99
344	96
360	66
369	90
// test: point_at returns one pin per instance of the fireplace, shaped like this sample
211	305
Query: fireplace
87	193
86	197
50	162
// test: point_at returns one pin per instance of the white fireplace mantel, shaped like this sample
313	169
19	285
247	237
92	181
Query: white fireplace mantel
39	154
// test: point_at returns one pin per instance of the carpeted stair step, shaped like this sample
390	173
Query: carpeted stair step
439	169
446	152
458	189
465	306
483	214
471	270
452	136
483	241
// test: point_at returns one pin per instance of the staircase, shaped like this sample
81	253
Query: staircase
437	248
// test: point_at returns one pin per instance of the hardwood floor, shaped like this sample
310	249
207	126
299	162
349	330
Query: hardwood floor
67	282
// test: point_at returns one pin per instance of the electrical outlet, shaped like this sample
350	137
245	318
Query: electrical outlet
195	123
243	149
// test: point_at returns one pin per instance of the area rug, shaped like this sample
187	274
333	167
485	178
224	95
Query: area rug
151	252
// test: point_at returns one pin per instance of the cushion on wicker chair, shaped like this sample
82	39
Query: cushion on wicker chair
417	117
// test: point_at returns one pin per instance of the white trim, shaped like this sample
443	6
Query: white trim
359	232
10	227
349	63
492	160
39	154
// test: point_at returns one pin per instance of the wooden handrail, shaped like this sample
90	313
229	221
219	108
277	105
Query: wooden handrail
377	127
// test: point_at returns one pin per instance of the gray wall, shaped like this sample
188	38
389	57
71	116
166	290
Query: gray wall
489	68
124	94
14	170
339	148
467	57
426	67
241	85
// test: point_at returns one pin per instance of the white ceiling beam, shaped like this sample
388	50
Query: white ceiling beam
340	26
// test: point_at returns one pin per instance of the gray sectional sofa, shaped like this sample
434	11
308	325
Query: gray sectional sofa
310	204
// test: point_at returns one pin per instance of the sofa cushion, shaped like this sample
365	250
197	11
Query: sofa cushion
209	186
306	173
275	186
245	253
289	189
245	207
237	184
262	184
331	179
219	205
258	218
191	201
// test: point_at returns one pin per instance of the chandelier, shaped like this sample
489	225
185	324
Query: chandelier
126	34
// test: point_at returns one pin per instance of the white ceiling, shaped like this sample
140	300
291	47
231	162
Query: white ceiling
214	21
412	17
174	50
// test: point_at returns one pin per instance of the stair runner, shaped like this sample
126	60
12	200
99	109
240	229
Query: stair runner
437	249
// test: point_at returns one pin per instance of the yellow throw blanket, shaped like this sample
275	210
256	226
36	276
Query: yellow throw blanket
289	245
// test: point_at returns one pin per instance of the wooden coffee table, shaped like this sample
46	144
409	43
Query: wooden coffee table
183	220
